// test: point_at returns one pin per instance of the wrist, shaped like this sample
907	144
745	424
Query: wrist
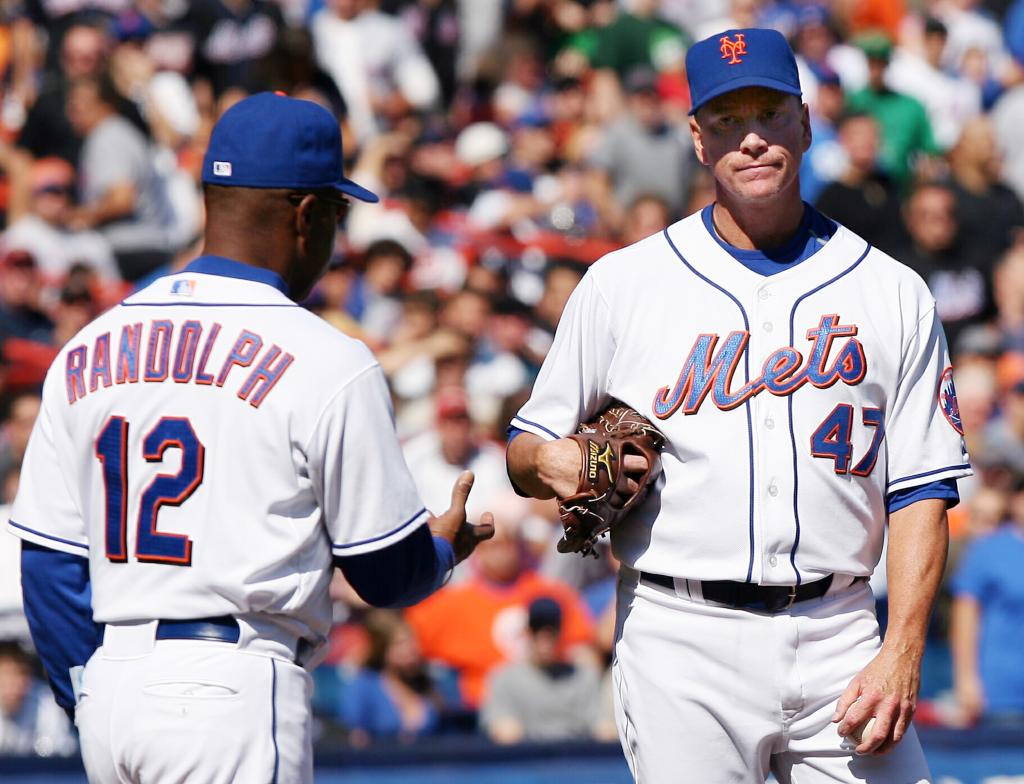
910	645
557	466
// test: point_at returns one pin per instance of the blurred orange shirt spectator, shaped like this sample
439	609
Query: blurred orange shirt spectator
477	625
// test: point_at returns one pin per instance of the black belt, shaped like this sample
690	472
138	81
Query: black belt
223	628
749	596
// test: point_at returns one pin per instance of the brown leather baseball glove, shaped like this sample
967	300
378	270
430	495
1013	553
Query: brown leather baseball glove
606	493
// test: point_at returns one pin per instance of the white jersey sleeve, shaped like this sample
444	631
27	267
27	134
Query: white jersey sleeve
45	511
923	430
363	486
573	381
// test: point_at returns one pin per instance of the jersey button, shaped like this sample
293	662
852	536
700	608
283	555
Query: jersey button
763	294
773	489
767	326
769	423
773	561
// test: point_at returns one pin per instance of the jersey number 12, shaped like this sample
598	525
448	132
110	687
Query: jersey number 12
165	490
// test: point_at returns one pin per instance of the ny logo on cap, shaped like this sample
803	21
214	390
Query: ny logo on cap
733	49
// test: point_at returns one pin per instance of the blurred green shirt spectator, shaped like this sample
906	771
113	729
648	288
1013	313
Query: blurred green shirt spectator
906	130
632	40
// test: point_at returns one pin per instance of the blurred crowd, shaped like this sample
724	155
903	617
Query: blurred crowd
513	142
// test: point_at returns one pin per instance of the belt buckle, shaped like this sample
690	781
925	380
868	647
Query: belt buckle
790	597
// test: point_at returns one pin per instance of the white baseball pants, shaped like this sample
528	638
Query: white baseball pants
193	711
715	695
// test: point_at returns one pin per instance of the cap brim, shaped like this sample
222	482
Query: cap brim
357	191
746	81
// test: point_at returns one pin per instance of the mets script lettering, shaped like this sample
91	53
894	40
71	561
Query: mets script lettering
707	370
733	48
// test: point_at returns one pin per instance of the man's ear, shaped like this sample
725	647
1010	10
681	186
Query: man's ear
304	216
805	119
698	142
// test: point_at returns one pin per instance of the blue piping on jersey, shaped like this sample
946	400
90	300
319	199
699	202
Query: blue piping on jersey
792	435
534	424
927	473
746	405
230	268
47	536
393	531
273	717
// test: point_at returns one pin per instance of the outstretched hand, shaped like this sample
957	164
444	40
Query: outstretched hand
451	525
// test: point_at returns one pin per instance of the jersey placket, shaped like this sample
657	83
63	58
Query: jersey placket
773	488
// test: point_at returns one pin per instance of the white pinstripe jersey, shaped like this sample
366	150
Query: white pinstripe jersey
792	404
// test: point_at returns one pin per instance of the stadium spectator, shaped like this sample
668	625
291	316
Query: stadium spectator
906	132
636	37
450	447
950	98
561	277
826	159
863	198
17	427
379	69
987	628
640	154
233	43
646	215
480	623
21	307
30	720
122	195
1004	434
988	211
43	233
392	696
84	48
543	697
957	273
13	625
374	298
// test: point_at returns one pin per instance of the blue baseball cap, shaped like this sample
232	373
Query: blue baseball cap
269	140
729	61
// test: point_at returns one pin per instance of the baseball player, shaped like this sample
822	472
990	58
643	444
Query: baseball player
801	380
205	452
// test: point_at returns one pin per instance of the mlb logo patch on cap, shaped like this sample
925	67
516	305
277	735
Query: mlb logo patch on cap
222	168
735	59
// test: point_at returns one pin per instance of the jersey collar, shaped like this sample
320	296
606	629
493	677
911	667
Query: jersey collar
229	268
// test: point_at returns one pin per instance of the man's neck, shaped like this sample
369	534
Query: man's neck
750	226
266	258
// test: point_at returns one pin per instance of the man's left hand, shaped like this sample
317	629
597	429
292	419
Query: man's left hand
887	690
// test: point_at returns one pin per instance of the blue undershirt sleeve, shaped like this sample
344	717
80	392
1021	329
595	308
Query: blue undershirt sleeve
943	488
513	431
58	607
401	574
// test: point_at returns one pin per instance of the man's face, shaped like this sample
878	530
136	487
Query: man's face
324	215
19	286
81	52
83	107
752	139
15	682
931	220
645	106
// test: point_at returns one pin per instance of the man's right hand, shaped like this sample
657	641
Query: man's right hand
452	526
550	469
